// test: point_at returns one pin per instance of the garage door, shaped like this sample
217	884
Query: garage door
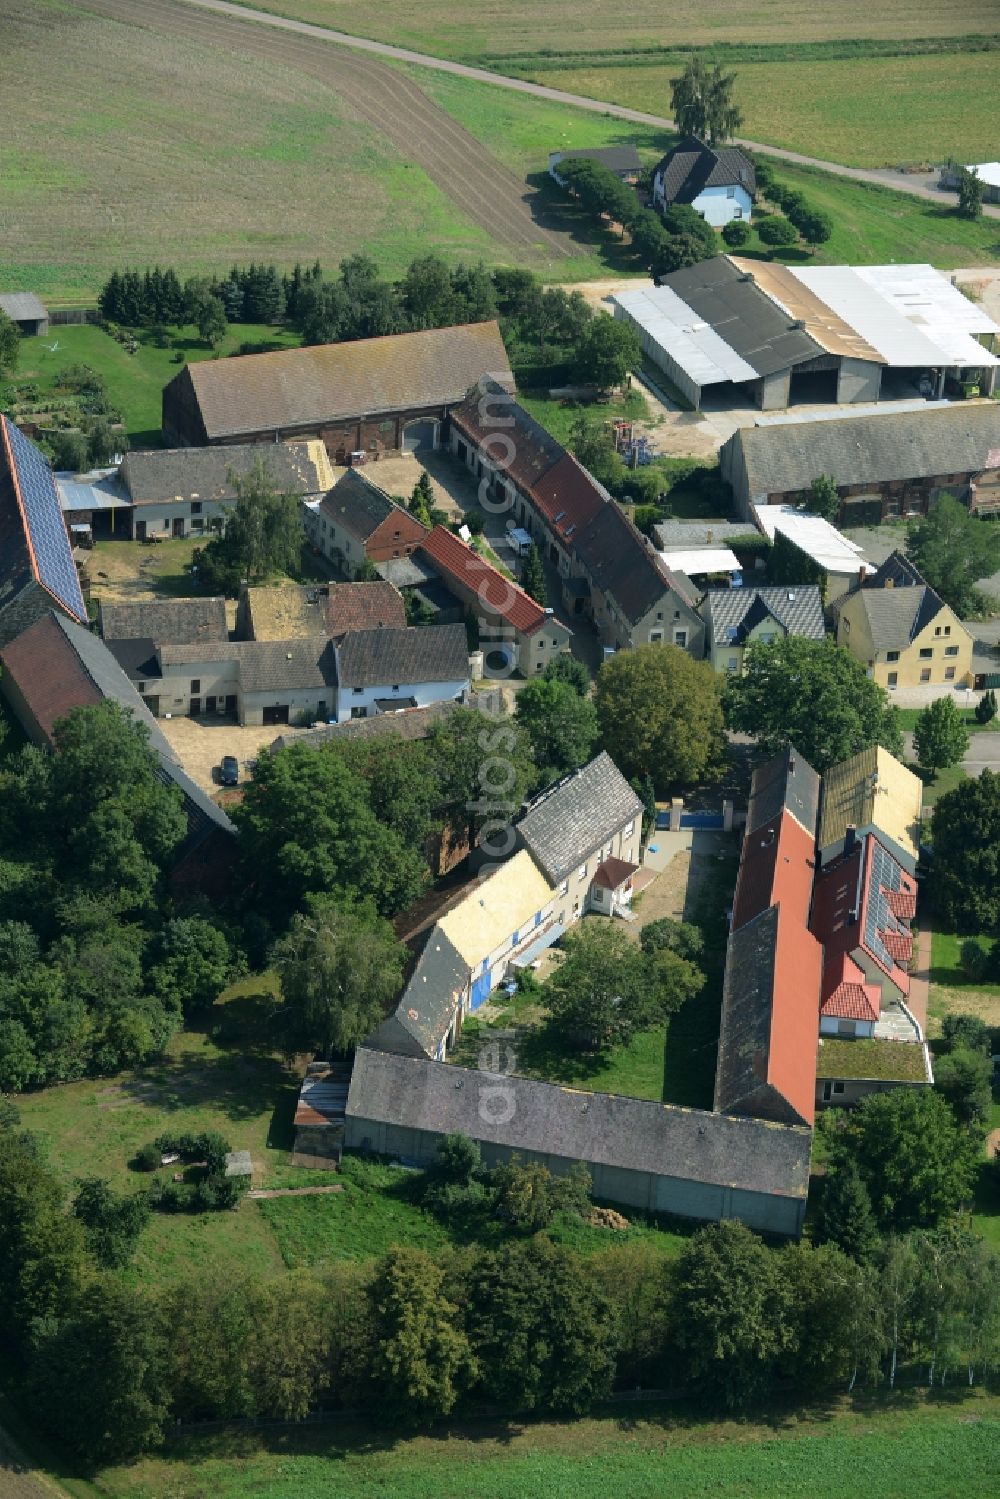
419	435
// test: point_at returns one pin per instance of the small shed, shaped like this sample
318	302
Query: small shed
24	309
238	1163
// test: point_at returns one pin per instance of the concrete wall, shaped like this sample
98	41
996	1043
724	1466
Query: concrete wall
859	380
829	1025
772	392
304	702
642	1190
853	1090
662	358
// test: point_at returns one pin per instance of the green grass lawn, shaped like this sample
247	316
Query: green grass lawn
135	381
220	1074
883	1446
936	785
946	967
908	720
863	111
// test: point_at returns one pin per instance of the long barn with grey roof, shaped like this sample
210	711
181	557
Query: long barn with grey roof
371	395
884	464
649	1156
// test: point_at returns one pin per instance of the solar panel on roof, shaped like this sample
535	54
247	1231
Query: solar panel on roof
46	529
879	917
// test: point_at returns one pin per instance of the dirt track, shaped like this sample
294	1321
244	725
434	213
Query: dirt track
484	190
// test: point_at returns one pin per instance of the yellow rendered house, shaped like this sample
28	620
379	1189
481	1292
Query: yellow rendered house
899	628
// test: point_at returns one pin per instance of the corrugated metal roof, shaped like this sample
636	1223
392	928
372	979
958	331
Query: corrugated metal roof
684	335
701	560
911	314
830	331
812	535
370	377
96	494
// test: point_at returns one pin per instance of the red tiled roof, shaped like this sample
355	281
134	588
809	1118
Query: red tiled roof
452	558
48	673
900	944
568	497
852	1002
903	903
614	872
776	866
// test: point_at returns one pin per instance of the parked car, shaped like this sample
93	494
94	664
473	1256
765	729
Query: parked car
230	771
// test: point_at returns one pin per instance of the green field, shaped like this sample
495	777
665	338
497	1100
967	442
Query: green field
889	1449
135	381
865	112
221	1076
518	27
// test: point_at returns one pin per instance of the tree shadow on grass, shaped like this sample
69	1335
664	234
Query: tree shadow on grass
544	1051
235	1086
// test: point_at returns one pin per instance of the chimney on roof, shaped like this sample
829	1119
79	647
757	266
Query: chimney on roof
850	838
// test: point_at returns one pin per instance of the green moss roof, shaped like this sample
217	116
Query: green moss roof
889	1061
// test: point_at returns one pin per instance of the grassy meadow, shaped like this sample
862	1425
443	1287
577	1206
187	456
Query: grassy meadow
864	112
887	1448
509	28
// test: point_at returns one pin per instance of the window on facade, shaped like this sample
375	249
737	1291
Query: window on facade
893	678
196	686
845	1027
581	873
927	653
166	525
949	674
681	638
140	686
925	674
659	613
892	655
655	636
677	614
951	650
195	507
733	664
627	831
937	629
358	691
564	887
358	712
947	629
839	1087
730	192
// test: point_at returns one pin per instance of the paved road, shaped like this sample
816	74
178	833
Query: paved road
915	186
983	752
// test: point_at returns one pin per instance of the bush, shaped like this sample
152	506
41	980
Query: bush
736	234
147	1157
965	1033
975	960
986	708
776	231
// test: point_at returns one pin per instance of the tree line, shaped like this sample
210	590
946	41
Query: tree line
543	326
518	1324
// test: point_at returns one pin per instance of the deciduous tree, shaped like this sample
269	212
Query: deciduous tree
340	967
264	535
113	1221
814	695
10	344
608	350
702	102
915	1159
561	725
568	668
965	875
660	714
421	1361
940	735
952	550
823	497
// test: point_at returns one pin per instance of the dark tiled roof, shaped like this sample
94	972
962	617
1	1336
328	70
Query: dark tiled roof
374	658
577	816
331	382
599	1128
34	544
275	665
692	166
896	616
787	782
937	440
310	609
620	563
689	535
744	317
165	621
357	503
733	612
624	158
492	416
427	1006
453	559
204	474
